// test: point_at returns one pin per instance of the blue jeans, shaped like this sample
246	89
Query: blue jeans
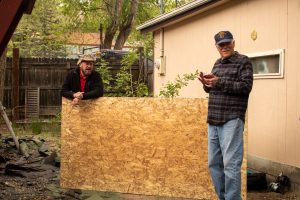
225	157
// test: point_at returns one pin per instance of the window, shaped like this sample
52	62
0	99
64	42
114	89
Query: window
267	64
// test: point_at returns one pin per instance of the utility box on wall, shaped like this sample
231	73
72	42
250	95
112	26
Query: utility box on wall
160	64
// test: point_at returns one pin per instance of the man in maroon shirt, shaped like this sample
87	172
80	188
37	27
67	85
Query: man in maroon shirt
83	82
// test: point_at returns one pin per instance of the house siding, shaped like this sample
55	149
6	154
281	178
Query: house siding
274	104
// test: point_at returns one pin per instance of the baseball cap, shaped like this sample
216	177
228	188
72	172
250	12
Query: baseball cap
223	37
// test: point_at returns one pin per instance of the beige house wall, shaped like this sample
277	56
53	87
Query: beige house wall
274	105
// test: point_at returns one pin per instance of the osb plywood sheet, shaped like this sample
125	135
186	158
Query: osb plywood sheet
150	146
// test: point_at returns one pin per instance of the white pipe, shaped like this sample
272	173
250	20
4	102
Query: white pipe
8	124
162	43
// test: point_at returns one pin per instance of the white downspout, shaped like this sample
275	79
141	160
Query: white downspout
162	68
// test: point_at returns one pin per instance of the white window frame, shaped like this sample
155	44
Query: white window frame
279	52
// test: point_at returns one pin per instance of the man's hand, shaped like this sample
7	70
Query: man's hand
201	78
75	101
209	80
78	95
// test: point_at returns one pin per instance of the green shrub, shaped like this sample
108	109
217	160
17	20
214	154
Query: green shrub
171	89
36	126
123	83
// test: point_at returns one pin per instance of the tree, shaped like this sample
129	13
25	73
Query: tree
114	11
40	34
117	16
44	33
127	24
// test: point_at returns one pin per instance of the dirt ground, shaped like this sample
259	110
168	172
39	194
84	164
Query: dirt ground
15	188
37	177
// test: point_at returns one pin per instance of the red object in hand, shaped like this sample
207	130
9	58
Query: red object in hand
208	76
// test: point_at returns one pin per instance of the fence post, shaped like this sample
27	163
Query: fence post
15	83
141	64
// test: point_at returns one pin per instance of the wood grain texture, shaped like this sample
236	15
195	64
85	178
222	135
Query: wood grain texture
149	146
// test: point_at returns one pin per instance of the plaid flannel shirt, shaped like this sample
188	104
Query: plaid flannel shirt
229	98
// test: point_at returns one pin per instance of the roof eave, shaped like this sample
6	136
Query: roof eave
179	14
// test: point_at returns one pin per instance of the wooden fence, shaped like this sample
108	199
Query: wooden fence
47	76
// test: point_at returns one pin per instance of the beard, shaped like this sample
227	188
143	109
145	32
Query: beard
87	72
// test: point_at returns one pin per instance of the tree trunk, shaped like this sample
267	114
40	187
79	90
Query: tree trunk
109	35
125	29
115	12
2	74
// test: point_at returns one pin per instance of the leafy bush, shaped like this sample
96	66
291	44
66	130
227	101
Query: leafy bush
171	89
123	83
106	76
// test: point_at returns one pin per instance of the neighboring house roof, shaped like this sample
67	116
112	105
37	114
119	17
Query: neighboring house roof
89	39
84	39
179	14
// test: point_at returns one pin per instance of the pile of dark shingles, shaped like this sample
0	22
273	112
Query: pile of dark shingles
34	160
33	173
26	173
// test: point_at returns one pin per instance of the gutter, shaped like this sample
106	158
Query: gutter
179	14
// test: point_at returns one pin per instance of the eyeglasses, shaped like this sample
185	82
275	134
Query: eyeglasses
224	44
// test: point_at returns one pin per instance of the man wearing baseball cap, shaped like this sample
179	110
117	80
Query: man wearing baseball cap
229	85
83	82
